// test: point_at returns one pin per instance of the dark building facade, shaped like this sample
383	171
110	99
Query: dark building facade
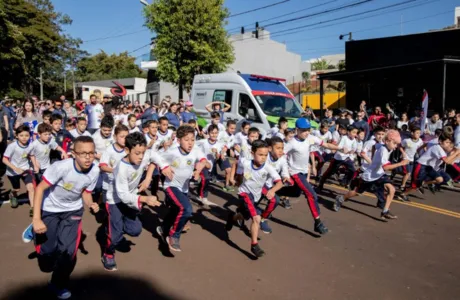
397	69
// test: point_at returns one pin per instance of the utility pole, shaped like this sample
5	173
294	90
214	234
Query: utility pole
41	84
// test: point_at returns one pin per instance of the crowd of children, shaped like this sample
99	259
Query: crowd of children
113	168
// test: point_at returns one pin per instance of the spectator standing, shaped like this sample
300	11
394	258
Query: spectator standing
362	124
342	120
59	110
149	113
433	124
172	115
330	120
70	110
95	112
403	121
11	114
28	117
376	118
216	106
188	115
164	108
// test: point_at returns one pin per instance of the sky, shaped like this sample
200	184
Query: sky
117	25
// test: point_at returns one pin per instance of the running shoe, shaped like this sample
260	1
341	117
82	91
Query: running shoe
404	198
229	224
402	189
205	201
13	201
60	293
228	189
421	190
109	263
265	227
338	202
257	251
28	234
321	228
161	234
287	204
173	243
432	188
387	216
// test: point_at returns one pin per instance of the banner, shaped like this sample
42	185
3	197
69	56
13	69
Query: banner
424	111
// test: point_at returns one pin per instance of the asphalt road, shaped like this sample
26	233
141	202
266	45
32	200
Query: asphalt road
416	256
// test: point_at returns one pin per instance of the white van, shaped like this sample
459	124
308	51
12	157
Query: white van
259	99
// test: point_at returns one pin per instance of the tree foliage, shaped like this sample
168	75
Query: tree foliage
35	32
102	66
190	39
320	64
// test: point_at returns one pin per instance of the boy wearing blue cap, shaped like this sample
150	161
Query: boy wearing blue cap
298	156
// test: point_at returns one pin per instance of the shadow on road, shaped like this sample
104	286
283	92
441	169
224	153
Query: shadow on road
289	225
93	286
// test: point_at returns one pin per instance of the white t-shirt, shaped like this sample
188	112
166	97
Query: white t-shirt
272	131
149	138
18	156
254	179
164	137
336	137
102	143
368	148
67	184
411	147
227	139
206	147
239	136
281	167
94	113
325	138
346	144
298	153
127	178
111	157
183	165
432	143
75	133
41	151
135	129
457	137
375	170
433	157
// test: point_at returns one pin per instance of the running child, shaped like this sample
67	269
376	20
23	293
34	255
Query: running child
61	136
279	128
374	178
213	150
41	149
185	161
215	119
123	200
411	148
298	156
80	130
256	174
319	155
243	133
132	123
164	136
227	138
58	212
427	169
152	133
16	158
244	151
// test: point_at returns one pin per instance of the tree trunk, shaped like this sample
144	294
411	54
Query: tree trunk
181	90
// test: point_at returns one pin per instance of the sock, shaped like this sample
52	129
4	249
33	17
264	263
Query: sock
253	244
385	210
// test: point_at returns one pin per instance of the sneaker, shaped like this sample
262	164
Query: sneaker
387	216
28	234
287	204
173	243
161	234
31	212
404	198
60	293
205	201
338	202
108	261
228	189
265	227
421	190
13	201
432	188
257	251
321	228
402	189
229	224
336	177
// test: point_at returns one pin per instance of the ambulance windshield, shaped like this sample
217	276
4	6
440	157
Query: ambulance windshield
279	106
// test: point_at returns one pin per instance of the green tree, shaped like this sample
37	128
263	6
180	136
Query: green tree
320	64
103	66
190	39
35	30
341	65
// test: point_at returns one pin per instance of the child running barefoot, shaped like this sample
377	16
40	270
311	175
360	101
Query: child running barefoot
374	177
123	200
16	158
256	172
58	213
184	161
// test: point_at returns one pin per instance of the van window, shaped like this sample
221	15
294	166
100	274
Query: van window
223	96
245	106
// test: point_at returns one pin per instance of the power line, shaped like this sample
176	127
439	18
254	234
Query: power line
259	8
115	36
321	12
287	14
142	47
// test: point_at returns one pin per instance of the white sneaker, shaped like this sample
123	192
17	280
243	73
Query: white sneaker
205	201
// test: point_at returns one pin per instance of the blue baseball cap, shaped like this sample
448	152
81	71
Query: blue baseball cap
302	123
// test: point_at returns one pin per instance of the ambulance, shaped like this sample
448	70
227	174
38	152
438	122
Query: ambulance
261	100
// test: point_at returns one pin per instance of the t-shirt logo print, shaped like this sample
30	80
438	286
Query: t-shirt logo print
189	162
175	164
112	162
24	155
133	175
68	186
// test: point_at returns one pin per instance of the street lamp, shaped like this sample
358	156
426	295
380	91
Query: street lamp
343	35
144	2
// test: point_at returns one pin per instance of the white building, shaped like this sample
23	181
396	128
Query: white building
457	16
135	88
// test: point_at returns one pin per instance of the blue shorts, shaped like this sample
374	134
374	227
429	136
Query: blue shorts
407	169
423	173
